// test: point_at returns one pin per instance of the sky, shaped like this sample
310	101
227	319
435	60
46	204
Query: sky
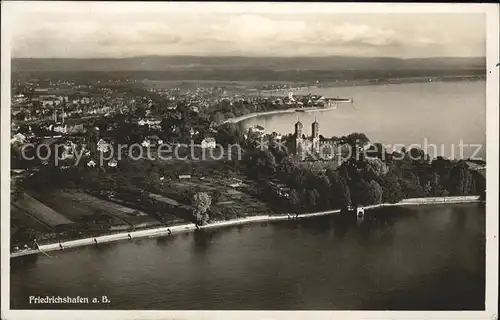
91	30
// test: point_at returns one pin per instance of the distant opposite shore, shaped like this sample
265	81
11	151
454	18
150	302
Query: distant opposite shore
376	81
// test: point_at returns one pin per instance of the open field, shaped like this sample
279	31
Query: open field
167	200
130	216
23	220
166	216
40	211
77	211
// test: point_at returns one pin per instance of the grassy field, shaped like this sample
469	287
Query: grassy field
24	227
134	218
22	220
41	212
77	211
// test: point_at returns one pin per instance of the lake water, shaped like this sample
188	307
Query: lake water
441	113
429	257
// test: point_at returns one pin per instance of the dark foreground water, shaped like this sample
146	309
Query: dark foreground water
423	258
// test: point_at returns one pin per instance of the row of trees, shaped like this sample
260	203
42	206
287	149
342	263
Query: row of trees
225	109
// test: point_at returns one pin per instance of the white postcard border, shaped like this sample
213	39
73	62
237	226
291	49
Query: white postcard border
492	125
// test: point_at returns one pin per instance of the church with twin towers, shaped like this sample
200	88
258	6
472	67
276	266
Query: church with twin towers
313	144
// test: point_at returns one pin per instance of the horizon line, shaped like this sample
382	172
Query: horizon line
250	56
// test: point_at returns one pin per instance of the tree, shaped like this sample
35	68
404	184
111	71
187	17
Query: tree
312	198
324	188
378	166
298	179
442	167
410	185
344	171
367	193
287	166
433	186
265	165
375	192
461	181
230	133
391	189
376	150
368	173
216	196
295	200
278	150
357	139
219	117
201	202
140	111
341	195
418	156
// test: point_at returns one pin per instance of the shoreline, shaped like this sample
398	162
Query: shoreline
162	231
379	82
257	114
266	113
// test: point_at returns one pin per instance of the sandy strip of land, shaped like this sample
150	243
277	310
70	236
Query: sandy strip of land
258	114
155	232
266	113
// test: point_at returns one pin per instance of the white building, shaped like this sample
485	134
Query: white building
103	146
113	163
258	129
69	149
61	129
18	138
208	142
149	122
146	143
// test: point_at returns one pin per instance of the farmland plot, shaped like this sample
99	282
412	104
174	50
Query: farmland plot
41	212
133	217
23	221
75	210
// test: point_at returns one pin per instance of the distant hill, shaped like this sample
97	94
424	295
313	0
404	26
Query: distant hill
193	63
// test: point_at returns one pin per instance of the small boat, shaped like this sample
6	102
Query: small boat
349	100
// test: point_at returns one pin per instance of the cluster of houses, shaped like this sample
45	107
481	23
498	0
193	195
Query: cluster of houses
151	122
19	138
280	189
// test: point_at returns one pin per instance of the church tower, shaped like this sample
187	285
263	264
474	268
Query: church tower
315	135
298	129
298	137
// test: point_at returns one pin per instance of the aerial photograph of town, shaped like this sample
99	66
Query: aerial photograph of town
167	159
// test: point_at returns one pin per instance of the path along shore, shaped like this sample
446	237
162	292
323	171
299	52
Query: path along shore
156	232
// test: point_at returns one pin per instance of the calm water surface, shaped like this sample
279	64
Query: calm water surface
425	257
441	113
